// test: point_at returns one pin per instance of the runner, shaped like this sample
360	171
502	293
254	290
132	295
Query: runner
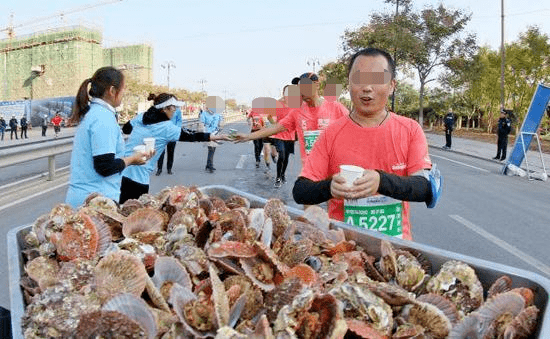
256	122
56	122
390	150
314	116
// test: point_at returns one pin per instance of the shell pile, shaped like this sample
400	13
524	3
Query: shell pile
182	264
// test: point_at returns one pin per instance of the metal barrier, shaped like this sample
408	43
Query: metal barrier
34	151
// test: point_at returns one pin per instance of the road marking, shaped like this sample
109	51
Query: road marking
460	163
503	244
17	202
38	176
240	164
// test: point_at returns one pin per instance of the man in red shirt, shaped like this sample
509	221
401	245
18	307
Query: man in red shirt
390	148
56	122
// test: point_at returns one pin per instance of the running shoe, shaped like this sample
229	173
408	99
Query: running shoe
278	183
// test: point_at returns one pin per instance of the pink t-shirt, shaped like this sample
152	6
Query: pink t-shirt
308	122
398	146
282	112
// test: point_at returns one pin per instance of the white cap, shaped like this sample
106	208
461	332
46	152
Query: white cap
170	102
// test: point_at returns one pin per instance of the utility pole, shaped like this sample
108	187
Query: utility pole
312	62
202	82
502	54
394	50
167	65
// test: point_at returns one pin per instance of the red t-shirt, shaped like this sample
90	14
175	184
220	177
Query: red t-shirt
308	122
282	111
257	121
56	121
399	146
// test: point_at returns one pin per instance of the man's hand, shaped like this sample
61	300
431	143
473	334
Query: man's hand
365	186
239	137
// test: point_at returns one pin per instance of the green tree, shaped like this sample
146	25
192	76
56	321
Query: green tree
425	40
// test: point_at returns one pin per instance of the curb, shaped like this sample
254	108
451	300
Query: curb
466	154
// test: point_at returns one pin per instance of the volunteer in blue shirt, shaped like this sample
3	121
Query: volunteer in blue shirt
211	120
155	123
97	157
171	146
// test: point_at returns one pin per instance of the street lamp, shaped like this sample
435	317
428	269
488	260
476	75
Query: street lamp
167	65
312	62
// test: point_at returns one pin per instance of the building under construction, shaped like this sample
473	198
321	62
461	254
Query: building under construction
54	63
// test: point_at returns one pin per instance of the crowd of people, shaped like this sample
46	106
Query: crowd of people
23	125
391	150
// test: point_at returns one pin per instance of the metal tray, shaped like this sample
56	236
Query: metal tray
486	271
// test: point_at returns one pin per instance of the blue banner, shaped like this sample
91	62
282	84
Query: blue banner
531	123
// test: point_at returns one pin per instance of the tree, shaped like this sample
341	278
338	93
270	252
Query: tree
424	40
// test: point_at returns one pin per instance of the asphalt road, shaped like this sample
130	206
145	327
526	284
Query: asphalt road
481	213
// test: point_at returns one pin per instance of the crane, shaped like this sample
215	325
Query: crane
10	29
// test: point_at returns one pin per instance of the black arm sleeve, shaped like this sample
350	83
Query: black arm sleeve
127	128
309	192
412	188
191	136
106	164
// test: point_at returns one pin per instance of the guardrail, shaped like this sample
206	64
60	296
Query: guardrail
34	151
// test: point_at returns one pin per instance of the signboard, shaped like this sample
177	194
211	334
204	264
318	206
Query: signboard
534	115
17	108
35	110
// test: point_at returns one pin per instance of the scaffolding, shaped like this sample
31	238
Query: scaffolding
55	62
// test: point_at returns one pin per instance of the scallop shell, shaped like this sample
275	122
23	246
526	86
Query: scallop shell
219	298
101	324
305	273
120	272
129	206
236	201
155	295
144	220
260	273
135	309
435	314
523	325
59	215
79	239
393	295
501	285
169	271
293	253
231	249
276	210
44	271
104	234
317	216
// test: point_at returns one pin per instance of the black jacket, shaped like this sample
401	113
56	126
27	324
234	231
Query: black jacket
449	121
504	126
13	123
23	122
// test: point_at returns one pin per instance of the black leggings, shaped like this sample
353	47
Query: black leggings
129	189
258	144
284	148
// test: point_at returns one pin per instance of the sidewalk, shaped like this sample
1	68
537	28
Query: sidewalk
35	134
484	150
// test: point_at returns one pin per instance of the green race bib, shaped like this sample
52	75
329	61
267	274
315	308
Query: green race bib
377	213
310	137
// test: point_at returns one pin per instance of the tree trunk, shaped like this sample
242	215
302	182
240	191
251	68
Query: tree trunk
468	123
459	123
421	103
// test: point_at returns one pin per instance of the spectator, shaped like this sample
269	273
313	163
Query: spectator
391	149
3	126
156	122
211	119
449	122
56	122
24	126
13	127
44	124
504	127
171	145
98	148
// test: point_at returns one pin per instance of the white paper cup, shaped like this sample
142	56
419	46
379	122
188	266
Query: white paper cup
140	149
149	144
351	172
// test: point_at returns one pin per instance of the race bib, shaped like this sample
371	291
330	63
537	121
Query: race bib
309	138
378	213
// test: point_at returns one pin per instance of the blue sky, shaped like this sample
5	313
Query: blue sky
244	48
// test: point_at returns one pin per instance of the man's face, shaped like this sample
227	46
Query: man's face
308	89
370	84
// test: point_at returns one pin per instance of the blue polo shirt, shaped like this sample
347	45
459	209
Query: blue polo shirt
97	134
211	121
163	132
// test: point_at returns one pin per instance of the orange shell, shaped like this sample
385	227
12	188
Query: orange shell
364	330
304	272
231	249
79	239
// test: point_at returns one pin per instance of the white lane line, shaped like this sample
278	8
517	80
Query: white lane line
38	176
460	163
17	202
242	159
503	244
